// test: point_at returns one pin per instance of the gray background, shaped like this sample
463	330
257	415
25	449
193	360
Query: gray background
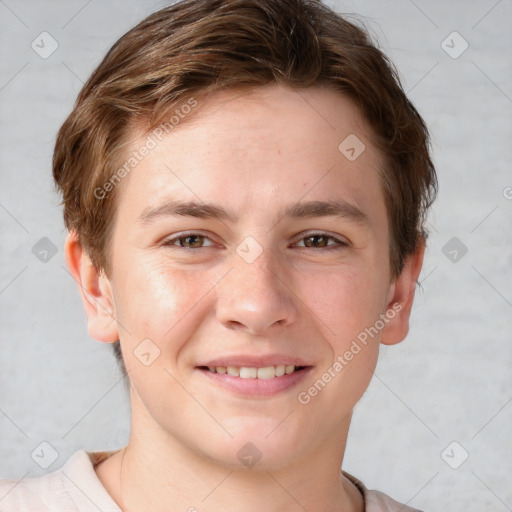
449	381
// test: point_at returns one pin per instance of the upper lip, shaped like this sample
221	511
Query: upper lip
255	361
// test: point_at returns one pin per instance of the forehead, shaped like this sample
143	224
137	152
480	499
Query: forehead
257	150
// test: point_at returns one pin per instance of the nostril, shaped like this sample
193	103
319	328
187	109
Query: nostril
235	324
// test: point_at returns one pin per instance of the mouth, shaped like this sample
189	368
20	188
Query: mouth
256	381
250	372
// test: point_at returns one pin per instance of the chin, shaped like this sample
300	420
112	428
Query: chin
258	445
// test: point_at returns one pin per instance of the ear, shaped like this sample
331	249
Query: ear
95	290
401	296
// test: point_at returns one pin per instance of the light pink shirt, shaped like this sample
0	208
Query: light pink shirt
76	488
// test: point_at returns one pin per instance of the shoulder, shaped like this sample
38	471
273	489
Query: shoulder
39	494
376	501
72	488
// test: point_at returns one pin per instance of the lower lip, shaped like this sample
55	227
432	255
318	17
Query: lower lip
257	387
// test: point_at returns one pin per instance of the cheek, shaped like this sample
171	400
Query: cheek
347	304
345	301
153	300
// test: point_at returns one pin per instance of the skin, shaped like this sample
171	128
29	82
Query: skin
255	154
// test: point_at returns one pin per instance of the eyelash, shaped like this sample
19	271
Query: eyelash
338	245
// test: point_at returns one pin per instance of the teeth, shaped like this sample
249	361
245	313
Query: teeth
280	370
232	370
268	372
248	373
244	372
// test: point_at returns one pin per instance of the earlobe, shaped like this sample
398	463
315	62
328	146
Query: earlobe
401	297
95	289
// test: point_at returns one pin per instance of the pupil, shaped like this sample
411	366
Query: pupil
193	241
315	240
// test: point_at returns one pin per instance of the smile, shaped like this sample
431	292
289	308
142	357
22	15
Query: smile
254	382
266	372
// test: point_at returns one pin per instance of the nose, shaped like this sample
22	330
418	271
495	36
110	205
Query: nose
256	297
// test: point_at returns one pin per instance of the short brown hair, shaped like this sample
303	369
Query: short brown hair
195	47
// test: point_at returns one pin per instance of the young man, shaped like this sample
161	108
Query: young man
245	185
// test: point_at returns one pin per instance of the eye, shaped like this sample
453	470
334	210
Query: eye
189	241
321	240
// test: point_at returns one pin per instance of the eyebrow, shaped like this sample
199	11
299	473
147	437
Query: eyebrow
334	208
187	208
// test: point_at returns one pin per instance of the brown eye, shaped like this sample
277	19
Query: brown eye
322	241
316	241
191	241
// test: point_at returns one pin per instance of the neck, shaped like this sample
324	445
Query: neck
159	473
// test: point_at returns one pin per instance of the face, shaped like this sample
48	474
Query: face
248	239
